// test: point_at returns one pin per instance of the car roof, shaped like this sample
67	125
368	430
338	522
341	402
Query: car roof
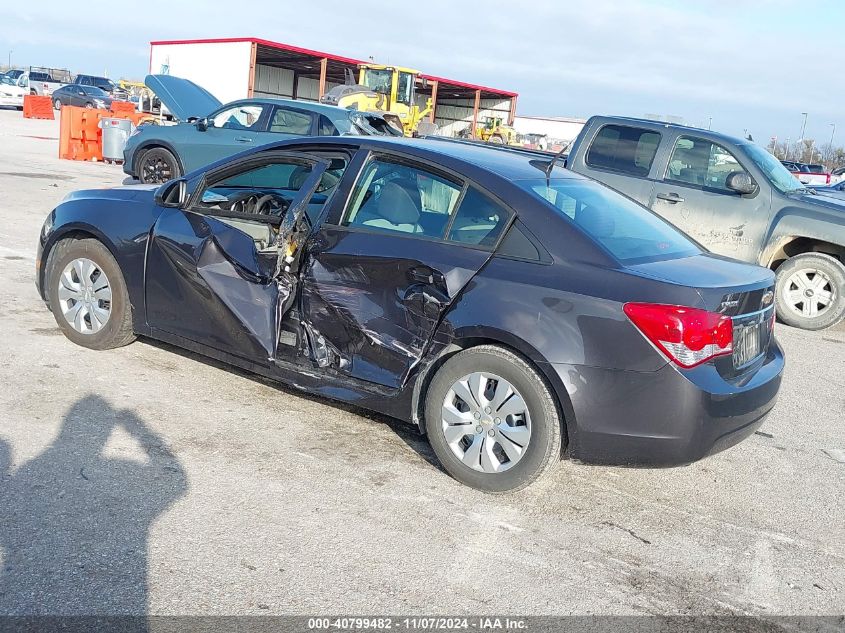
313	106
657	125
512	163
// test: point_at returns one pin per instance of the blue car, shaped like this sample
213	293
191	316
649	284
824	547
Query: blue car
208	130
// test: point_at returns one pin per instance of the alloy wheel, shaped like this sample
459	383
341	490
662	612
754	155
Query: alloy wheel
155	170
486	422
85	296
808	292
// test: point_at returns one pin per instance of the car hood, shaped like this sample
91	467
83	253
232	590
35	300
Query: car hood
123	192
829	201
183	98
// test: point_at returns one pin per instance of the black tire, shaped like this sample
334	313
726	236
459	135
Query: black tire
117	330
157	166
544	449
832	273
57	104
89	105
497	139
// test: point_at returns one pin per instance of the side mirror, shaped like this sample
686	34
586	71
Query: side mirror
202	124
173	193
740	182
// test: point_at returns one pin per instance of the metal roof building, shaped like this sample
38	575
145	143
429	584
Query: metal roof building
235	68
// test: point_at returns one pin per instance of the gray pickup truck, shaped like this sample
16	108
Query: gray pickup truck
734	198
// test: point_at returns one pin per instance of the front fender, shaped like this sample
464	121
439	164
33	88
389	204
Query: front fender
122	225
792	223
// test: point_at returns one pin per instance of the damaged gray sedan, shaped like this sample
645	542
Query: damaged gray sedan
515	312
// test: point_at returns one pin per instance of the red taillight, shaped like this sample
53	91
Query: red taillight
828	178
688	336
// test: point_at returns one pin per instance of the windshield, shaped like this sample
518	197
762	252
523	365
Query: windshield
95	92
777	174
7	80
630	232
105	84
378	80
371	125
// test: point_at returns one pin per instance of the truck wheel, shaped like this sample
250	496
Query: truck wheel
810	291
157	166
492	421
88	295
497	139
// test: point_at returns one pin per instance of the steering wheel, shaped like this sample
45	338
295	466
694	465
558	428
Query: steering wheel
270	204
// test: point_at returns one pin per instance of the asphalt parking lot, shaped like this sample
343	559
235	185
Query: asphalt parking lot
145	480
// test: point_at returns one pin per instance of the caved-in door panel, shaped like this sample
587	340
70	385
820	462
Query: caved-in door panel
182	259
377	297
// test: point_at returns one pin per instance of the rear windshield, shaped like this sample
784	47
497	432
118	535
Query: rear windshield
628	231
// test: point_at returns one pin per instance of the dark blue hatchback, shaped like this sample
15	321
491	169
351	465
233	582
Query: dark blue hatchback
515	311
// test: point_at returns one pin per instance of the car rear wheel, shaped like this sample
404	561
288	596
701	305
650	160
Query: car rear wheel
89	105
157	166
492	421
810	291
57	104
88	295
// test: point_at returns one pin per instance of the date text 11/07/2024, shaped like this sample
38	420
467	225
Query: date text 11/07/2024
421	623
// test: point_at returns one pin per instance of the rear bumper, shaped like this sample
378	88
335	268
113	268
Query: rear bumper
668	417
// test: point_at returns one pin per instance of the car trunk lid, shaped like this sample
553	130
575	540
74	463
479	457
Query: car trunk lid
743	292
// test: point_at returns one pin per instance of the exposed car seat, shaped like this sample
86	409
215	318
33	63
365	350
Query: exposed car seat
395	209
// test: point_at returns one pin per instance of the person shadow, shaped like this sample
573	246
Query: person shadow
75	522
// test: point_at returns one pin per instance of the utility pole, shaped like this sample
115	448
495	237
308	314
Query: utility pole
832	132
787	148
710	123
10	58
803	127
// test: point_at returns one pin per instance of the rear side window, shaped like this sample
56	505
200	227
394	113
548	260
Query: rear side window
629	150
399	198
327	128
479	220
290	122
628	231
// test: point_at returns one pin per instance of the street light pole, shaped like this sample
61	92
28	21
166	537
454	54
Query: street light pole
832	132
10	58
803	127
710	123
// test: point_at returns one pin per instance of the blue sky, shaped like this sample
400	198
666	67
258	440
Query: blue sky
754	65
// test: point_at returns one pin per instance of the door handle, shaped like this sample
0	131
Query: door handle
243	139
670	197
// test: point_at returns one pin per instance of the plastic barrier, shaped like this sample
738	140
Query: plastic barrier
80	137
80	134
121	107
35	107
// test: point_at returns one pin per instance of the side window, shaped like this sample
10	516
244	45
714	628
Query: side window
404	88
266	191
629	150
479	220
699	162
327	128
291	122
239	117
396	197
517	244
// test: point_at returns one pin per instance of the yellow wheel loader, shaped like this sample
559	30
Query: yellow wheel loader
386	90
493	130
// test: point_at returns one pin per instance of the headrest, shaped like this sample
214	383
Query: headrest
396	205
